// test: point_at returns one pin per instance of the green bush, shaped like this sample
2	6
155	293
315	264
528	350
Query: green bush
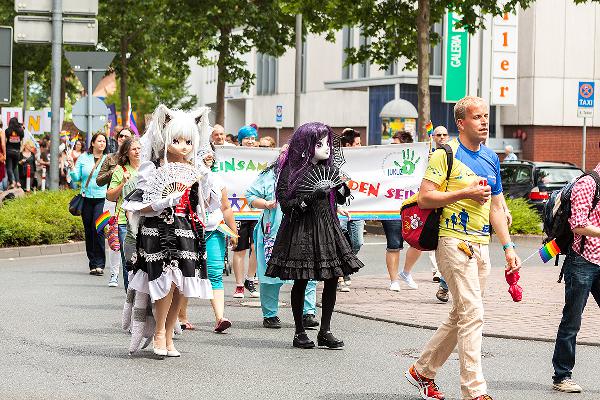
526	220
39	218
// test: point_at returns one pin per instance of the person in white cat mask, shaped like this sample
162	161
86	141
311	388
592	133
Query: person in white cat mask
171	200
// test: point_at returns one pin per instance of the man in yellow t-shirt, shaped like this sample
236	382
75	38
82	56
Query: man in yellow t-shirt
472	201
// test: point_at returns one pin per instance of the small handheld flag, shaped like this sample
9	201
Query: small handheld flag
429	128
102	221
549	251
223	228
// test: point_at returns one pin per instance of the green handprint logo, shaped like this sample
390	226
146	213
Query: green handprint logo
408	162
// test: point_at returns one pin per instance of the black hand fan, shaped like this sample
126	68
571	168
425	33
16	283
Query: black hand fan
320	177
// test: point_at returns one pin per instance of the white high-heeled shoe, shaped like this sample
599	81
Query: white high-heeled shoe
161	352
173	353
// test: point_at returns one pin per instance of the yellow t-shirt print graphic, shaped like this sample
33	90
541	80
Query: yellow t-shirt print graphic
465	219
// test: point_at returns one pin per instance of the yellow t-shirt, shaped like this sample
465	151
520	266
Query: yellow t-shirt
465	219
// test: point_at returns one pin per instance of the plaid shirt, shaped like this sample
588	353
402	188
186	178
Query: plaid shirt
581	203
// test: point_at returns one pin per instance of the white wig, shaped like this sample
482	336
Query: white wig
167	125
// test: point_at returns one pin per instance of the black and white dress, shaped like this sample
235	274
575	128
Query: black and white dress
310	243
170	246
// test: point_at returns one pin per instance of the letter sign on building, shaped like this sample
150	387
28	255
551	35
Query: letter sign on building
455	67
504	59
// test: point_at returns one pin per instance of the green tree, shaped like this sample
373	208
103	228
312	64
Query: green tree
227	29
400	29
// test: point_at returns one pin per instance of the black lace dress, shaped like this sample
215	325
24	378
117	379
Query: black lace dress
310	243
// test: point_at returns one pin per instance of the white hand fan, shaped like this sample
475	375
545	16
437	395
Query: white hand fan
168	180
320	177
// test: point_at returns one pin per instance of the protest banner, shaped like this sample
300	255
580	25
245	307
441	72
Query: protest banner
381	177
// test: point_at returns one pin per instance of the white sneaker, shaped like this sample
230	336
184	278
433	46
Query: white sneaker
407	278
114	281
395	286
567	385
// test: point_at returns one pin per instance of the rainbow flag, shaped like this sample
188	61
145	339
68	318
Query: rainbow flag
132	125
549	251
429	128
102	221
223	228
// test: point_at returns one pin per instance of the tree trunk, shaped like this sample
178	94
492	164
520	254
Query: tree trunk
424	105
221	75
123	82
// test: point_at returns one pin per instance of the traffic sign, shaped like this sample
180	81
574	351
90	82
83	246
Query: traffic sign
5	63
71	7
585	113
278	113
99	113
82	61
585	95
35	29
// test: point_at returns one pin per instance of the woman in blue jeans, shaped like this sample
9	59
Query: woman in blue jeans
85	171
121	184
261	195
219	210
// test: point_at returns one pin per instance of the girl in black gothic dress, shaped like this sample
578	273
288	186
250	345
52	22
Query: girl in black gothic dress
310	244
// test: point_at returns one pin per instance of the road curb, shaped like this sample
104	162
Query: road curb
43	250
377	229
434	328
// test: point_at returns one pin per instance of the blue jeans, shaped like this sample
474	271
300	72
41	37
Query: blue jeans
122	234
581	278
355	231
393	234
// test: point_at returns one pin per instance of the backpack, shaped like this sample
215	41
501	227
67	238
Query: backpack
557	212
421	227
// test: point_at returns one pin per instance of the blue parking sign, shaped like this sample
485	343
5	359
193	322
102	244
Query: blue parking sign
585	95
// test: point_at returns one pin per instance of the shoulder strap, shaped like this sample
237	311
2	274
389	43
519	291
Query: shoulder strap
449	158
92	171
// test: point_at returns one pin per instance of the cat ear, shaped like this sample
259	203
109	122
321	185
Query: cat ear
199	115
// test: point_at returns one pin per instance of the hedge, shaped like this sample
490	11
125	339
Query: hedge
39	218
526	219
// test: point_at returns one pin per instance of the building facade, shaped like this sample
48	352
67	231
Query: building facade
558	46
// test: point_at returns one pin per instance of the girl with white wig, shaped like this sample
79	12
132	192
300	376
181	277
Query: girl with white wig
171	199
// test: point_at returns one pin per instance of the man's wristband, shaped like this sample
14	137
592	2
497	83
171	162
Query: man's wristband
509	244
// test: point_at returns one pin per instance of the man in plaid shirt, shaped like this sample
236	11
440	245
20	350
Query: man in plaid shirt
582	277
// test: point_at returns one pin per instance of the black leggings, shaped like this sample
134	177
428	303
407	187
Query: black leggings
327	303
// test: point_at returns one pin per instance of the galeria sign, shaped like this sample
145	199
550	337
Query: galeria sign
455	68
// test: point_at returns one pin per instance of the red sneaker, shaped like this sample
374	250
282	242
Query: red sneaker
483	397
239	292
427	387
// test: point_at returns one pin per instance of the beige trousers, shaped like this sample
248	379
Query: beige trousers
466	280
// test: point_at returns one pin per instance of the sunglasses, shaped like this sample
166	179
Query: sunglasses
441	134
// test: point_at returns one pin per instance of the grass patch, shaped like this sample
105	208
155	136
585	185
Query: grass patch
526	219
39	218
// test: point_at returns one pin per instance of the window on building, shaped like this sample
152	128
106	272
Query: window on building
435	57
363	68
266	74
392	69
347	42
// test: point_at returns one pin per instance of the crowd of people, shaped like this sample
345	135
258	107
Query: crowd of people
173	220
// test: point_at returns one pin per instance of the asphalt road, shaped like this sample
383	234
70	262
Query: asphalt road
61	338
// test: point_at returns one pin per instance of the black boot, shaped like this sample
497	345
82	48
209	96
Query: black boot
309	321
302	341
272	323
326	339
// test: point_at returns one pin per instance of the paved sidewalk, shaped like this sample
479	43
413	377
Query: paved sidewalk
536	317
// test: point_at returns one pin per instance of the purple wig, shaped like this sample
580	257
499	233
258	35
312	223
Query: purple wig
301	151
